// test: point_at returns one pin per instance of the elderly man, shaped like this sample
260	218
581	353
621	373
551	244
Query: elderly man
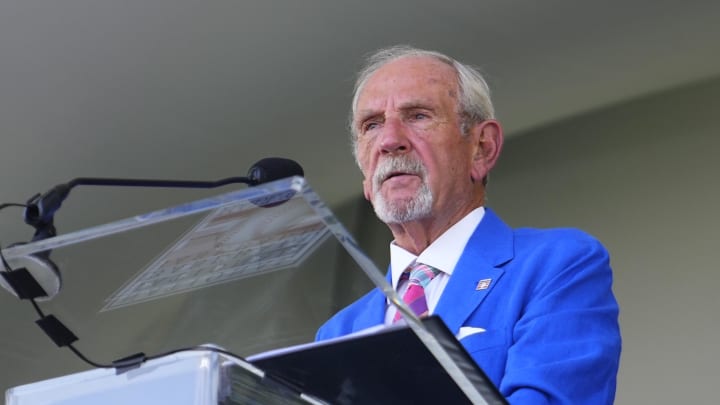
541	301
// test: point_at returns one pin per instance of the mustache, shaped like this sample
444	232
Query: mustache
398	164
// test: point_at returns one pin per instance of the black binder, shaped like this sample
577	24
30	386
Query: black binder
391	366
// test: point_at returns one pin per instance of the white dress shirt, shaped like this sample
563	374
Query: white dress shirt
443	254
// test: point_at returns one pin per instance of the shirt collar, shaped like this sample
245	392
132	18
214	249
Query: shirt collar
443	253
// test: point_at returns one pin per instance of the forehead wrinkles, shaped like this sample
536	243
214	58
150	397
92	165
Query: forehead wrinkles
422	69
390	92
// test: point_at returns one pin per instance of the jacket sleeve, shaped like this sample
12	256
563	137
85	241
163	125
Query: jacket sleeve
565	345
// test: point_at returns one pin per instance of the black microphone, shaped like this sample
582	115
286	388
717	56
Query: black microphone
41	208
270	169
273	168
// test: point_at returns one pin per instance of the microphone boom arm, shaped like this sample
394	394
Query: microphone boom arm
40	209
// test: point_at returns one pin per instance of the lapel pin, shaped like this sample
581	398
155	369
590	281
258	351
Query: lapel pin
483	284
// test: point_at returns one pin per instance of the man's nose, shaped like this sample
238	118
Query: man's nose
394	138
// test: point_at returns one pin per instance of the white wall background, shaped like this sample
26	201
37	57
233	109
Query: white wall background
643	178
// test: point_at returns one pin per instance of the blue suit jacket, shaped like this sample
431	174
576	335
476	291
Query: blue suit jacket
551	320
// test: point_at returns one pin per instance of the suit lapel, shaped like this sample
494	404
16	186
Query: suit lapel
374	312
477	272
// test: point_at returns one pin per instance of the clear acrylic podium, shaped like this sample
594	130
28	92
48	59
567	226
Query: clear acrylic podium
184	378
249	271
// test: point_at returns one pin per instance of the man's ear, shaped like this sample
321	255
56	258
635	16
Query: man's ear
487	137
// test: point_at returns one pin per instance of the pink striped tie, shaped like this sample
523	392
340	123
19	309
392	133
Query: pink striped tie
418	276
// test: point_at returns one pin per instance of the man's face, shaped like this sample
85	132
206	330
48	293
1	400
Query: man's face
411	151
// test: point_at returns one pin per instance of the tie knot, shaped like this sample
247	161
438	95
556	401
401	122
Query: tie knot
421	274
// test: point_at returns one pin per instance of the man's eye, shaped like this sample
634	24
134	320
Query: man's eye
368	126
420	116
